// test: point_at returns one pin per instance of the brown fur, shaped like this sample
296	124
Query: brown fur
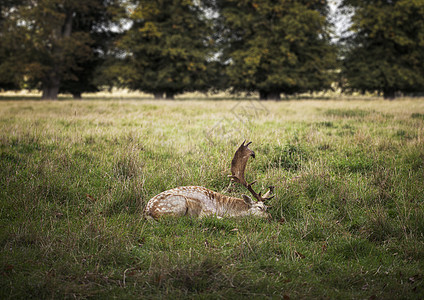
198	202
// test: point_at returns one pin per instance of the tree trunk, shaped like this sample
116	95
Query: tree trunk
51	83
50	93
170	95
265	95
51	87
158	95
389	94
67	27
77	95
274	96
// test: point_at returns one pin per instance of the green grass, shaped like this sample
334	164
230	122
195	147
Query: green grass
348	216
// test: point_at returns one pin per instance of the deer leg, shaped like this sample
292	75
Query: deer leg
194	207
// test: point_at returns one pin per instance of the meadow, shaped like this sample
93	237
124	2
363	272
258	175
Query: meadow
347	217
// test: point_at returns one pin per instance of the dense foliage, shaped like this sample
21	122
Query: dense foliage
10	78
385	52
276	46
171	47
168	47
53	44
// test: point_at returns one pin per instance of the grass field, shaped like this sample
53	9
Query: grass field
348	216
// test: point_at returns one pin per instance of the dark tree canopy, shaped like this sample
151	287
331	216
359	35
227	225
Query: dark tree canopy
168	46
276	46
9	77
98	22
54	41
385	52
174	46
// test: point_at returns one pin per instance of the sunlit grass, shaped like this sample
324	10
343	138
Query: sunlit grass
348	216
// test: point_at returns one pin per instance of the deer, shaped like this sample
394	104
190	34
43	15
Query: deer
198	201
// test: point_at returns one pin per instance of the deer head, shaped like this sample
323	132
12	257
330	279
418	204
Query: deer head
238	166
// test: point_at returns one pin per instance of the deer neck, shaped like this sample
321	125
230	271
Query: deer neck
230	206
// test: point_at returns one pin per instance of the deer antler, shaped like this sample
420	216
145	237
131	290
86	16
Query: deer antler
238	165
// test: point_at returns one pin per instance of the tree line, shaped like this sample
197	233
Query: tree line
168	47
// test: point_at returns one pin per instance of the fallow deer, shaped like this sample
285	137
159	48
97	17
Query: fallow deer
199	201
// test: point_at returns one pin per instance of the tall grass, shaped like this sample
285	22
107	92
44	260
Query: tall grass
348	216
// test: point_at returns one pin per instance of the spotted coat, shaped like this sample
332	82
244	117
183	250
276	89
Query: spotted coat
199	202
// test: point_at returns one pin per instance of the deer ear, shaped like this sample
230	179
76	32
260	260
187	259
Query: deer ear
247	200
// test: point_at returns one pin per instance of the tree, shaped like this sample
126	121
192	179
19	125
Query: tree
276	47
101	24
56	41
385	52
9	78
168	47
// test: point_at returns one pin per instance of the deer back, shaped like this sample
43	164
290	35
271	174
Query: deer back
195	201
